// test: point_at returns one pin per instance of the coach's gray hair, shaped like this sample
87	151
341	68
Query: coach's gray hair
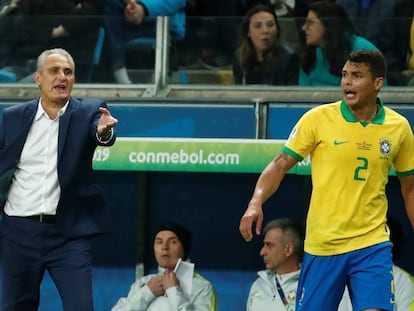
42	57
291	232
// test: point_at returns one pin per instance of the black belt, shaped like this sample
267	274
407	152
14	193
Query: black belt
47	219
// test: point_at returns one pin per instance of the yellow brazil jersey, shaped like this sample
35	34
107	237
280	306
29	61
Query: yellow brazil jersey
350	162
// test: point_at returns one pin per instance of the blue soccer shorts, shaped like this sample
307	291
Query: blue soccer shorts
367	272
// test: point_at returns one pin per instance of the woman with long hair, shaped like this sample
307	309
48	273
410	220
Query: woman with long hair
262	58
330	37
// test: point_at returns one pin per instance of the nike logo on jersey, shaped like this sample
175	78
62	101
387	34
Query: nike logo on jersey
337	142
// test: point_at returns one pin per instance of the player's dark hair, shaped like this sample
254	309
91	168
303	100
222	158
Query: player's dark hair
373	59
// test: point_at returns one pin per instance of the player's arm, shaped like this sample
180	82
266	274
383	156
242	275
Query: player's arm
407	191
267	184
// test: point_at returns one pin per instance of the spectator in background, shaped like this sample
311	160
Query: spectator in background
282	252
262	58
135	19
330	37
300	11
381	22
211	28
37	25
162	291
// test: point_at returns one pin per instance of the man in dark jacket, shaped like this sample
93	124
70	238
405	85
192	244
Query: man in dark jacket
53	204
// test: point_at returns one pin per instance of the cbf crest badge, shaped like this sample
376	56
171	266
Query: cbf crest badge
385	145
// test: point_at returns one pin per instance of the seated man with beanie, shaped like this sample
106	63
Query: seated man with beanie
162	291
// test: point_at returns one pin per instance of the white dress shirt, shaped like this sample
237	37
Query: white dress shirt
35	187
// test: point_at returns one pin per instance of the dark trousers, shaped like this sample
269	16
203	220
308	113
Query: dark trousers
119	32
29	248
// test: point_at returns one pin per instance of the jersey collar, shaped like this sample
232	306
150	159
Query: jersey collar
350	117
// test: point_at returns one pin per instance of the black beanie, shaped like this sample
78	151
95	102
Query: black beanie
182	234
